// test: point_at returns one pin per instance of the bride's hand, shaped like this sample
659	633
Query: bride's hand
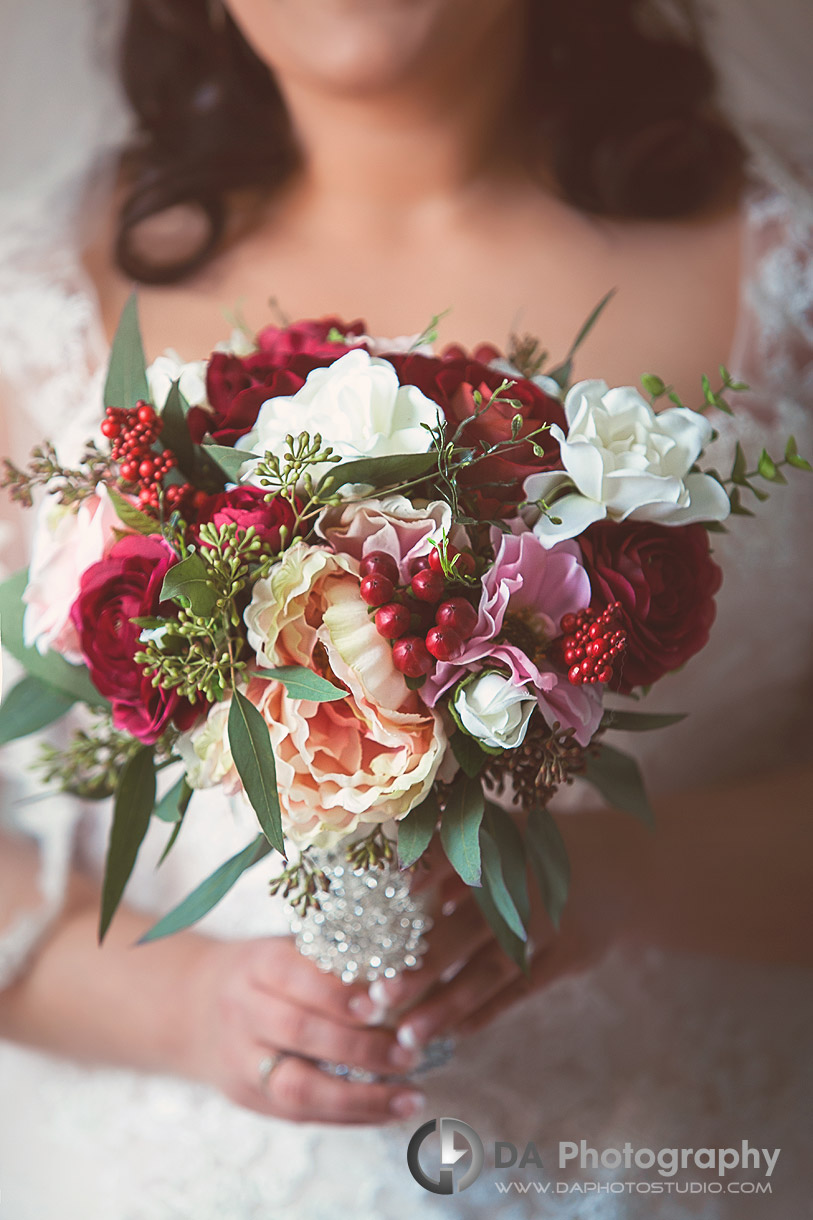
251	999
466	979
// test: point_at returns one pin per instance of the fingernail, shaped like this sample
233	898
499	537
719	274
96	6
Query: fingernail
407	1037
378	993
364	1009
449	907
407	1104
450	971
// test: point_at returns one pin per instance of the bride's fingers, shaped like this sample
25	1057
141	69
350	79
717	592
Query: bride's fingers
301	1092
293	1028
454	939
482	978
277	967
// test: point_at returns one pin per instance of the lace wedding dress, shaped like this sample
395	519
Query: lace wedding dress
653	1049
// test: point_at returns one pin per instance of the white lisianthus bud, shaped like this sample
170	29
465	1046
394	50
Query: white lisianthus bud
494	711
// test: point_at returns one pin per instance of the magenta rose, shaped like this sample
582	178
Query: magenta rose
452	382
246	506
665	579
237	386
123	586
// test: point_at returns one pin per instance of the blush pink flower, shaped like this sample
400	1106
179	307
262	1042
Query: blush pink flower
393	525
525	594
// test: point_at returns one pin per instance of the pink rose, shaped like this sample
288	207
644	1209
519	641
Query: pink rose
67	541
393	525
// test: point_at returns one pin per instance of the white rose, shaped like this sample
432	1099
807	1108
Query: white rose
495	711
356	404
168	368
625	461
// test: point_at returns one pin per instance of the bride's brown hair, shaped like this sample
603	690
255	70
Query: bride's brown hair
624	105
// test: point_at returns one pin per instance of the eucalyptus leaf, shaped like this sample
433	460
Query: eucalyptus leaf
618	779
416	829
230	461
190	579
134	803
50	668
126	383
460	828
175	432
468	753
253	754
494	882
29	707
549	861
302	683
508	941
639	722
208	893
503	828
172	805
131	516
171	841
562	373
382	471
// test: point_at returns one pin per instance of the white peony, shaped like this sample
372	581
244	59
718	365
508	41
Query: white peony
495	711
625	461
168	368
356	404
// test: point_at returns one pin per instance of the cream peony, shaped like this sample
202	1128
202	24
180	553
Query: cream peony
356	404
623	460
168	368
67	540
494	710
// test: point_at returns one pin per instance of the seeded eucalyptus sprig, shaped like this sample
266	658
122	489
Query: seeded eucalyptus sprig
90	765
45	470
375	850
301	883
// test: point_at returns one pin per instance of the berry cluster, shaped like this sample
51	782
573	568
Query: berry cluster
133	435
591	644
424	623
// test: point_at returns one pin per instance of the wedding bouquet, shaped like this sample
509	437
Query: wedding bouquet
368	589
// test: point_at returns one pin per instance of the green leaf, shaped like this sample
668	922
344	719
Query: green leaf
460	827
494	882
50	668
382	471
175	432
190	579
131	516
739	469
228	460
468	754
135	799
508	941
561	374
618	779
126	383
653	385
253	755
639	722
172	805
171	841
302	683
549	861
767	466
208	893
737	509
416	829
799	462
30	706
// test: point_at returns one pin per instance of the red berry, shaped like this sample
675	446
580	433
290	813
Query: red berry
392	620
604	675
147	469
569	624
434	556
146	414
419	565
128	471
376	590
410	657
458	614
379	563
444	643
428	585
110	428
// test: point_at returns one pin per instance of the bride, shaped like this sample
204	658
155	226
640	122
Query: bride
389	159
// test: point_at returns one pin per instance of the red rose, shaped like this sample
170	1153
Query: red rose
452	382
665	579
246	506
237	386
308	338
127	585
